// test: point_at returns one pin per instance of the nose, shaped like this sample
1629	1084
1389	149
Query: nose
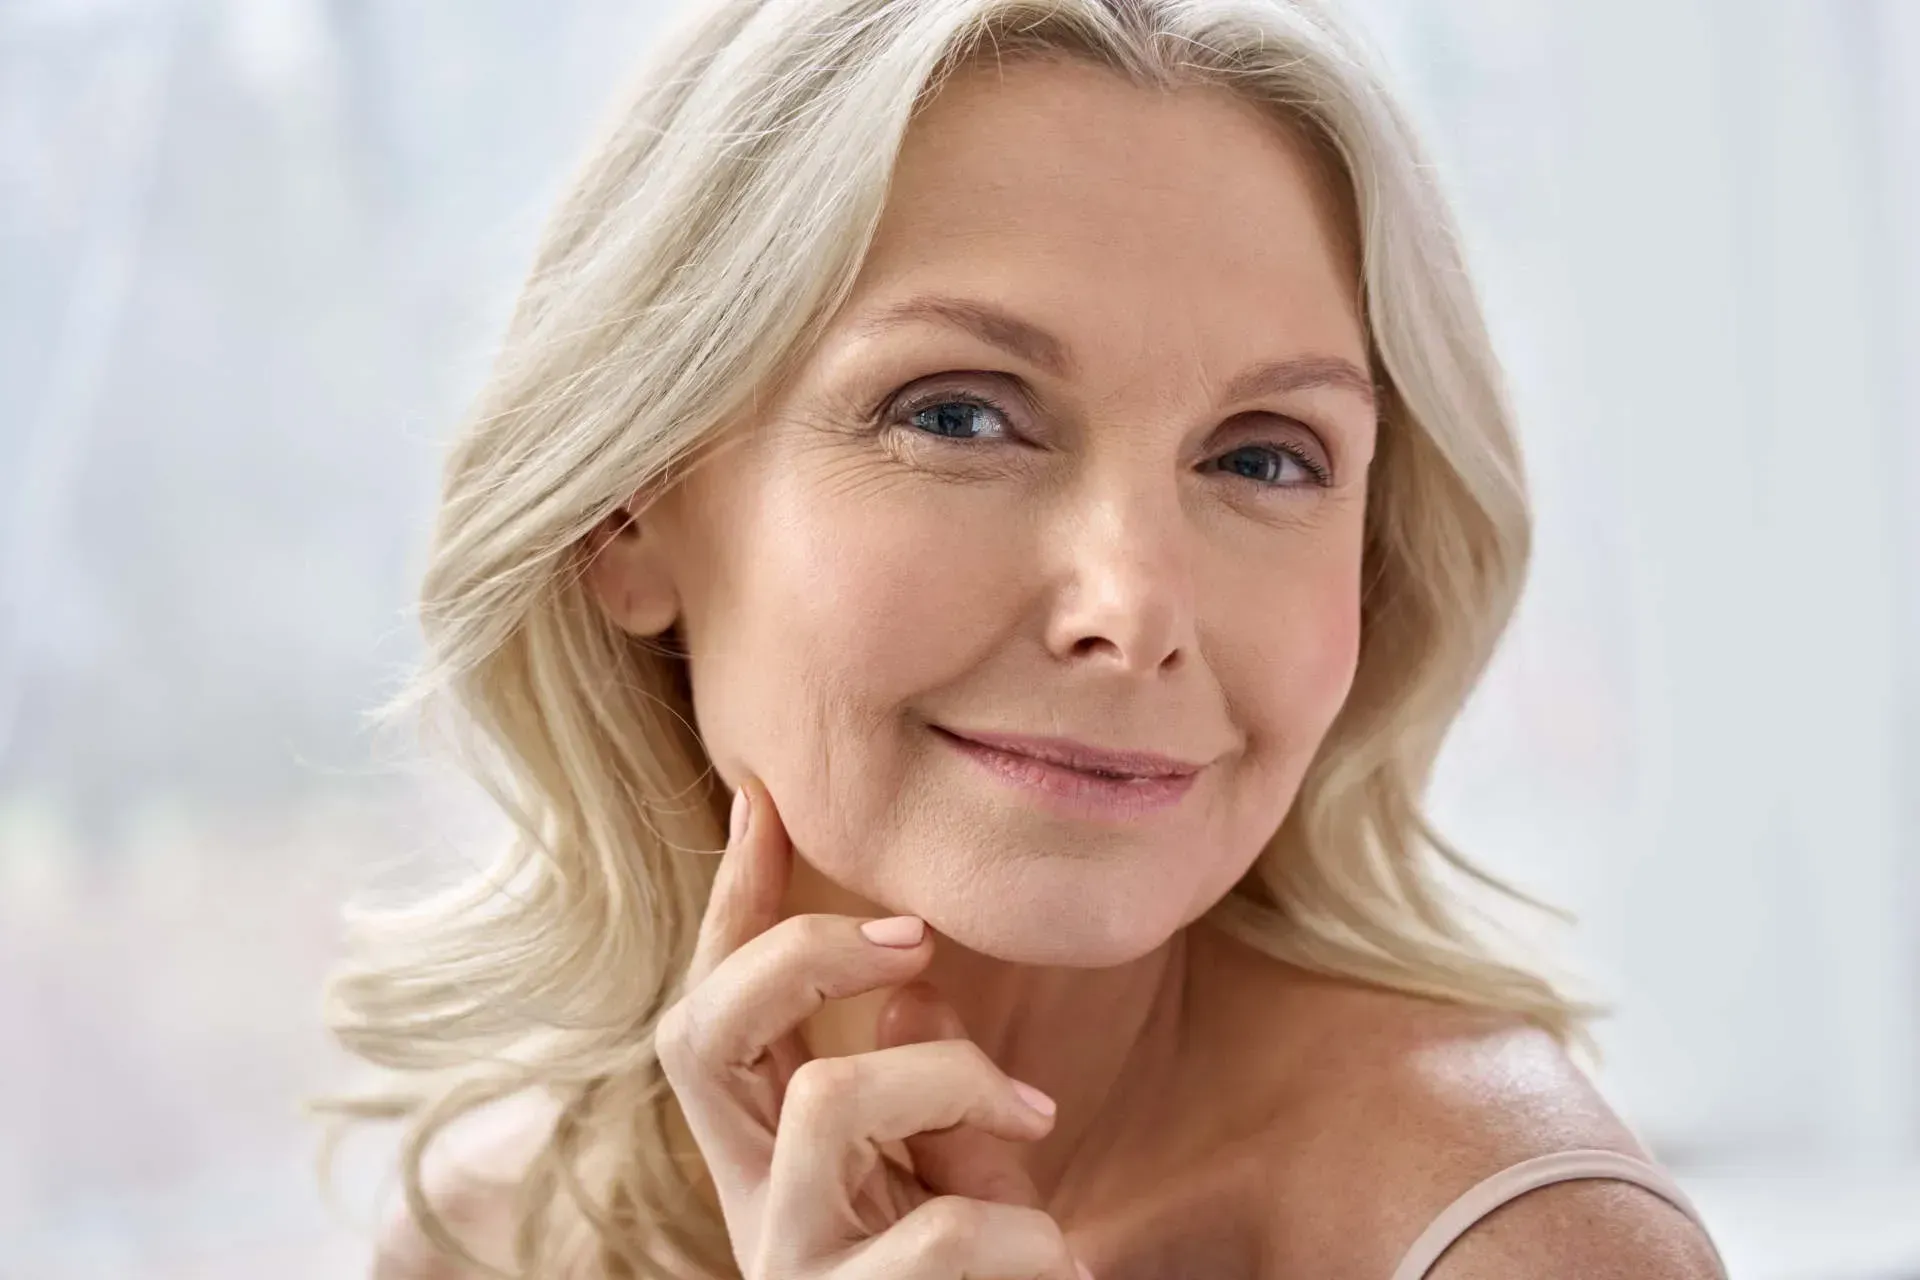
1122	558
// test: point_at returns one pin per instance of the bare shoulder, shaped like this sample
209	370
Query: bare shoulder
470	1178
1602	1230
1390	1107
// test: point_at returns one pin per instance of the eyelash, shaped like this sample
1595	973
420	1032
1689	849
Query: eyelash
899	411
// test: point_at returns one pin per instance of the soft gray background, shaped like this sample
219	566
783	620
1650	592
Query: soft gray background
253	254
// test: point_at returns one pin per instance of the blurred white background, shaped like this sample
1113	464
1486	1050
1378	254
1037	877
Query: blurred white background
253	256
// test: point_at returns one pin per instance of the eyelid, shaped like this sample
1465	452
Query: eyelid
1320	473
1261	426
934	390
953	387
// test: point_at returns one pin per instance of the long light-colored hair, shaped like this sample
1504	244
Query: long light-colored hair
697	256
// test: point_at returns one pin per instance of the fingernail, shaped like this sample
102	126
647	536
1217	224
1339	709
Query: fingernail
737	820
1034	1098
1081	1267
896	931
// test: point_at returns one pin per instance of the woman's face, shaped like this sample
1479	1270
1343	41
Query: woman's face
1083	457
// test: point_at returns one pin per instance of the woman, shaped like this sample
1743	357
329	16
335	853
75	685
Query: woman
1028	476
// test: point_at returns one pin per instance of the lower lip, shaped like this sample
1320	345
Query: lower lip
1072	792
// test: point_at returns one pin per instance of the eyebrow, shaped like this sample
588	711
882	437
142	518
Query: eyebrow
1028	341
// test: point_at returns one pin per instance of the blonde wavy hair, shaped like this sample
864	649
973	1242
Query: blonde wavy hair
698	254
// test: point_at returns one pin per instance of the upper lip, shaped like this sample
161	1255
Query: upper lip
1081	755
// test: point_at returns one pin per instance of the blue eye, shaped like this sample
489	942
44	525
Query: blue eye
953	417
1267	464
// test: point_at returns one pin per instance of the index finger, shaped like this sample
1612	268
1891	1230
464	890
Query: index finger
750	884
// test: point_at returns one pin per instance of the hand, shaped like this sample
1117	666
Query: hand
794	1143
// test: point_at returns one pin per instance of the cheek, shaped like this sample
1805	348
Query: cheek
1289	667
882	594
837	606
1322	648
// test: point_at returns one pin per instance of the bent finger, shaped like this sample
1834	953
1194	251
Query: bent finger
962	1160
838	1111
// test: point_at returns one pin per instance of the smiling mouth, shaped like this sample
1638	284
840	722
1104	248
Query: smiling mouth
1078	781
1081	758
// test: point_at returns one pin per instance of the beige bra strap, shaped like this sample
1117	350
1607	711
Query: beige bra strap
1516	1180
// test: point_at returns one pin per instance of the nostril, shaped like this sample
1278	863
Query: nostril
1091	644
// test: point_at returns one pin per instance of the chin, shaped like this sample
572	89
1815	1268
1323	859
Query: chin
1072	931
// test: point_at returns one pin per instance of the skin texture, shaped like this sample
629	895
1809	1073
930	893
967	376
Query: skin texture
1123	553
1091	569
1088	569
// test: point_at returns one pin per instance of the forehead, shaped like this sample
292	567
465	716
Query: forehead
1173	215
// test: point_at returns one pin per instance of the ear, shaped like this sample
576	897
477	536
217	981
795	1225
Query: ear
629	576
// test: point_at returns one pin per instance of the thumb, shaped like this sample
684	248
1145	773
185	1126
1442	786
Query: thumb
962	1160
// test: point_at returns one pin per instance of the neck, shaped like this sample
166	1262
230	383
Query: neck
1087	1037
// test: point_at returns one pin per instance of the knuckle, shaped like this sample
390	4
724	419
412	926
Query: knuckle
819	1083
670	1033
812	931
948	1225
976	1058
675	1038
974	1073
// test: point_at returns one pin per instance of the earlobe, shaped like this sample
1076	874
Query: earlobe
628	575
